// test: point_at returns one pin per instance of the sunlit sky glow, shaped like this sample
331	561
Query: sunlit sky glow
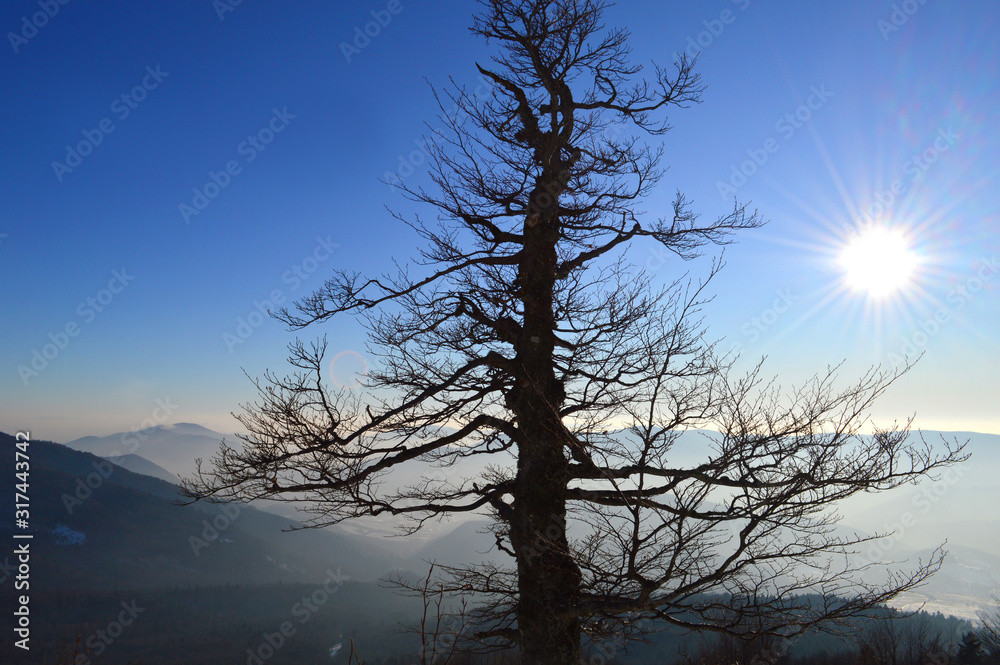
878	261
872	151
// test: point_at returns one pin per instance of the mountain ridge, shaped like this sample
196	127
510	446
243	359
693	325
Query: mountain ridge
95	517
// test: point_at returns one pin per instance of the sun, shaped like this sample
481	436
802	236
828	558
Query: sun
879	262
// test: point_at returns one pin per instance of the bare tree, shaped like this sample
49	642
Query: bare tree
523	337
440	627
901	639
989	630
749	649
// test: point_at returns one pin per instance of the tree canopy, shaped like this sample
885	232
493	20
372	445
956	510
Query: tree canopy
521	335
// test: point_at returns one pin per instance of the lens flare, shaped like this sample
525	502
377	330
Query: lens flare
879	262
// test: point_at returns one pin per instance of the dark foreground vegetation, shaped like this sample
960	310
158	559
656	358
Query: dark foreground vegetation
243	624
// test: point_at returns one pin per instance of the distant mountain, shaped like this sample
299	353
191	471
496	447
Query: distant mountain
469	542
958	506
966	583
173	447
96	525
143	466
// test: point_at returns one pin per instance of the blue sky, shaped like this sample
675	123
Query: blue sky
843	105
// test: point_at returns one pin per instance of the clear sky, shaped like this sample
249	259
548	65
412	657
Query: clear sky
115	113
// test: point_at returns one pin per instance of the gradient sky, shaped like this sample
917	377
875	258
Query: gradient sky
890	85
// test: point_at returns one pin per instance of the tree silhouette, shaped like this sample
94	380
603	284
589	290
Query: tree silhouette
989	630
970	651
900	639
523	337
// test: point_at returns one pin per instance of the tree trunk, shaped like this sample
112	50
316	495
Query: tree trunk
548	577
